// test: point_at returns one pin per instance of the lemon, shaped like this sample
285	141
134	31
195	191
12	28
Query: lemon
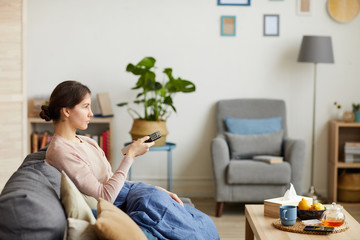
317	207
304	204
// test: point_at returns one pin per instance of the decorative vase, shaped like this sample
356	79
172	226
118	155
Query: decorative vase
348	116
357	116
340	114
141	128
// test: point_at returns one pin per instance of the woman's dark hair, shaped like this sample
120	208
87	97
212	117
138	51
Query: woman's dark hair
66	94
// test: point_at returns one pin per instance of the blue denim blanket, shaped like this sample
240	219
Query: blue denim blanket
155	211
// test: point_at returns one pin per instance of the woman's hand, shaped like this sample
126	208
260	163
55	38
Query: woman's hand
139	147
172	195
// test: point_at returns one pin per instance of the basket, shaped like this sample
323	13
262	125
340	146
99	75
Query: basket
349	187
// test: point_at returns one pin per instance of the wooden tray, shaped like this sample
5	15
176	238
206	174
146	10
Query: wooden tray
298	227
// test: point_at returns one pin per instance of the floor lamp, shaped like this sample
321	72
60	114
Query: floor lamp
315	49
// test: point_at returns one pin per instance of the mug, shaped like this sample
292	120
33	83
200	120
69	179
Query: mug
288	215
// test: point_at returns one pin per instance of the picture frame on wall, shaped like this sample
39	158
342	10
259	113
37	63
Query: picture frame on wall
271	25
234	2
303	7
228	24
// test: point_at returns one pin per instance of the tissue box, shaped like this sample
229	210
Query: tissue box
272	206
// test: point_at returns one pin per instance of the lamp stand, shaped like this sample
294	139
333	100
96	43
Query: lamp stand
312	192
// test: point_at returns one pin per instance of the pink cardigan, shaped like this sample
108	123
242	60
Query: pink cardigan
86	165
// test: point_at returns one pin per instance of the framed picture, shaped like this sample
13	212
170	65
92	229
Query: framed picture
228	25
303	7
271	25
234	2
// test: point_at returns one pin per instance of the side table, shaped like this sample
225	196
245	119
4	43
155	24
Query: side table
167	147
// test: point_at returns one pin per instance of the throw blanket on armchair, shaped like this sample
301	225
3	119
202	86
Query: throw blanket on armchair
157	212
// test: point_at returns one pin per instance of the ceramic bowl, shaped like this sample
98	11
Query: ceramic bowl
309	214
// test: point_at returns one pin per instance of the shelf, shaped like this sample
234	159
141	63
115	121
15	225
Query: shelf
345	124
339	134
96	127
348	165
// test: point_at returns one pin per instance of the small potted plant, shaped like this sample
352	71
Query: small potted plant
156	98
356	111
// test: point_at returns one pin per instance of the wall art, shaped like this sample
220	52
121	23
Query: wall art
228	24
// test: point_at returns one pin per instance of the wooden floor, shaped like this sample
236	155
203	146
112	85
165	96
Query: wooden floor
231	225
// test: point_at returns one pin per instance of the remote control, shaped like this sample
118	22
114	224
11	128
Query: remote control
154	136
319	229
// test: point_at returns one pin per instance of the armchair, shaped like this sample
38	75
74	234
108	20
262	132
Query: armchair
246	180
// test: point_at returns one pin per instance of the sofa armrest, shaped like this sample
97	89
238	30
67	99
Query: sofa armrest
220	158
294	153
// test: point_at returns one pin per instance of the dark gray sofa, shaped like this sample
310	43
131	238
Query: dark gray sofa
30	207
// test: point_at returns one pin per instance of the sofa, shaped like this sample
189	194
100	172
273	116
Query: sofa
30	204
31	207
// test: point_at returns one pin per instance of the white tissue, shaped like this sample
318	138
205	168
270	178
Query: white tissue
290	194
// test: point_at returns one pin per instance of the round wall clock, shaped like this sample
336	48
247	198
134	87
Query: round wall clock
343	10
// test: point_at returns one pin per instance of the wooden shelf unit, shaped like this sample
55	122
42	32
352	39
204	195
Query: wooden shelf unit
95	127
339	133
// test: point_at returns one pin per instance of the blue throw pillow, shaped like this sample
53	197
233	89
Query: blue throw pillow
247	126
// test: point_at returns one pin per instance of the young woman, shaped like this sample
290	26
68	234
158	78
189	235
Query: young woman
158	211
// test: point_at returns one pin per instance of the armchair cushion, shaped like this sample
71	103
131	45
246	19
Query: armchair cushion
253	126
254	172
247	146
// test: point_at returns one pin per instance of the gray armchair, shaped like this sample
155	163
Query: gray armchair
246	180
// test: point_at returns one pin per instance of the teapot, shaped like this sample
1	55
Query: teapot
333	216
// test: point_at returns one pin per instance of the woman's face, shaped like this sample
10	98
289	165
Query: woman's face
79	116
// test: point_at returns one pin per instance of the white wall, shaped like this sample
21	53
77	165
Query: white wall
92	41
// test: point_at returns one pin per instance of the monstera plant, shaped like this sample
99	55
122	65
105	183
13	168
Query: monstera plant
155	97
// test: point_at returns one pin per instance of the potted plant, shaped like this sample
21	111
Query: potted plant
356	110
156	98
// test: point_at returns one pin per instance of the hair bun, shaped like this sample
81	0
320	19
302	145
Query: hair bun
45	113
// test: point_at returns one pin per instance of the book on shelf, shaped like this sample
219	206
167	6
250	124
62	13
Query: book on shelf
106	143
103	139
105	104
347	151
44	140
34	142
268	158
39	140
352	144
352	158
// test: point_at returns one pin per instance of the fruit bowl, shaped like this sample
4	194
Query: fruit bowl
309	214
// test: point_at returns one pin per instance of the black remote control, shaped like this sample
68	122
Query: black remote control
319	229
154	136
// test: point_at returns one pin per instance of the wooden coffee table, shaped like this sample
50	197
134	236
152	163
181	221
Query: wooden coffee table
256	224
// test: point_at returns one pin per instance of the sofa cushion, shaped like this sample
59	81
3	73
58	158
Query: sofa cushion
73	201
255	172
247	146
253	126
29	203
112	223
78	229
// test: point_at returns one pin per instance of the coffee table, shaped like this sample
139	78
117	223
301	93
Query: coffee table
260	226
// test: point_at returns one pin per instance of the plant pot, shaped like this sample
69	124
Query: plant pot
141	128
357	116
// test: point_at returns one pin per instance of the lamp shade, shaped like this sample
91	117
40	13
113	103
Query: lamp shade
316	49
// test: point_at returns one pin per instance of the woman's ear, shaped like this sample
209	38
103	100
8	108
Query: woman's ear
65	112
